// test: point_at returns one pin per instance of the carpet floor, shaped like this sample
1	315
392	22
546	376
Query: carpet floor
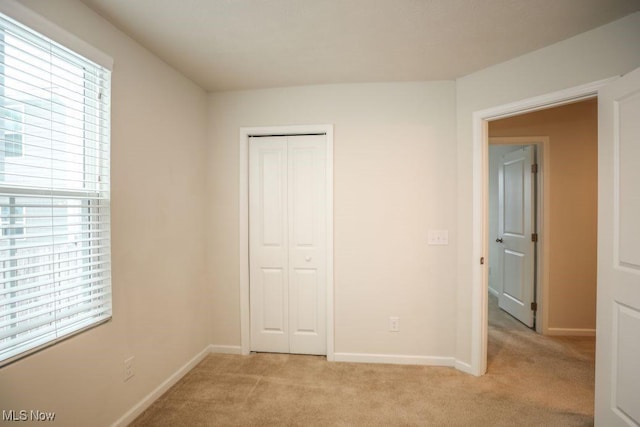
531	380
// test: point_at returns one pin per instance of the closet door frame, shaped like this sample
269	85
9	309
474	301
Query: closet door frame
245	134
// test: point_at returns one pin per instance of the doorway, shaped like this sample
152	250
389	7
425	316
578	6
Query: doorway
325	297
480	235
565	302
570	135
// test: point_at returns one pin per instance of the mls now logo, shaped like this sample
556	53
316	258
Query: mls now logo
24	415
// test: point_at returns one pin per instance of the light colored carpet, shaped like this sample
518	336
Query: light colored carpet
531	381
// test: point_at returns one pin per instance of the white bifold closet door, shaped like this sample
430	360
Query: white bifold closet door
287	243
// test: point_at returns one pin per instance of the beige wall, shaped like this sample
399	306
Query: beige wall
573	204
394	178
601	53
158	174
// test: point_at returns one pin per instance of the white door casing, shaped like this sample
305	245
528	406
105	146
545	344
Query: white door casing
618	307
516	224
480	235
287	243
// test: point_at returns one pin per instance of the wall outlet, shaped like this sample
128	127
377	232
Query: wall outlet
394	324
128	368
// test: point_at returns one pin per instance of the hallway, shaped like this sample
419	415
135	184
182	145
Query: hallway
554	371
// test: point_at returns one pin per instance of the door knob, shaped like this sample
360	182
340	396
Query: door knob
307	258
499	240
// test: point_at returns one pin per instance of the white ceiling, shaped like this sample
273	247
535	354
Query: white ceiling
248	44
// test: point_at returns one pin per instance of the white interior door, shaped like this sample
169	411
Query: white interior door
287	244
516	225
618	314
268	245
307	244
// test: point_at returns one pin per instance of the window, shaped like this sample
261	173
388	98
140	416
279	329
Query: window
55	262
12	220
13	127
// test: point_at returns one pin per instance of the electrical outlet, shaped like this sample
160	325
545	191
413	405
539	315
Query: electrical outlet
128	368
394	324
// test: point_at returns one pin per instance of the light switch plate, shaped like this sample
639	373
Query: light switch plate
438	237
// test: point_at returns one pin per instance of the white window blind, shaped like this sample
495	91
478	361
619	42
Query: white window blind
55	262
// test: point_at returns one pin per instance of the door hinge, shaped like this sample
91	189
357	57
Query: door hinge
534	168
534	306
481	260
534	237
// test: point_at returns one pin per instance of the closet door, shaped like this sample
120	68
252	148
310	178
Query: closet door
287	244
268	245
307	244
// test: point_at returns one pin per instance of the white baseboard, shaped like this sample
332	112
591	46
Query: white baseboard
463	367
225	349
140	407
494	292
570	332
397	359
